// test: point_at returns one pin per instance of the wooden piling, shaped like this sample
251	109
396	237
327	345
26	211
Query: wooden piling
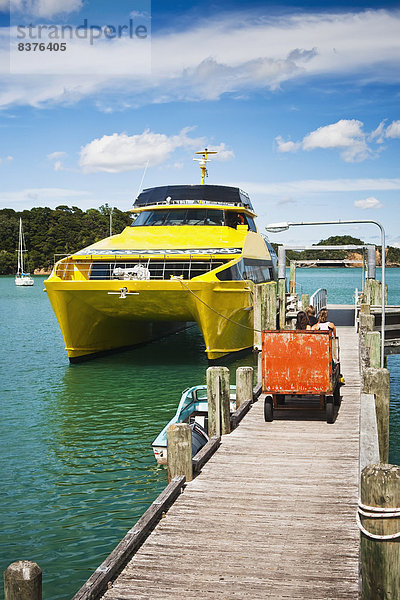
269	306
373	292
244	385
377	382
292	283
282	303
366	323
365	308
218	394
380	559
257	304
179	451
23	581
373	343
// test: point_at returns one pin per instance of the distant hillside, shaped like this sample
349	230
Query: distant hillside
392	253
62	230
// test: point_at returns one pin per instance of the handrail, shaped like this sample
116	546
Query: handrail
318	299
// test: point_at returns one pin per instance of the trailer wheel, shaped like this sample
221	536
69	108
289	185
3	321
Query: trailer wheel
329	409
268	410
336	394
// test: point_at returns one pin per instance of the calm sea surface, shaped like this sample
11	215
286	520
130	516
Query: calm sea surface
77	469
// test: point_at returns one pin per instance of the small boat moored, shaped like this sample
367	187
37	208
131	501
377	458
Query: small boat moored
22	278
192	409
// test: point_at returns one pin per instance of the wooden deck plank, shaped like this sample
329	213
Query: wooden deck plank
271	515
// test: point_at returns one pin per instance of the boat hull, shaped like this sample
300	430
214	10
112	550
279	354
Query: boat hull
24	281
96	316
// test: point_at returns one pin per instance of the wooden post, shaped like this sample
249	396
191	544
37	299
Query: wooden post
23	581
218	394
179	451
373	343
367	323
244	385
365	309
305	301
377	382
257	303
282	303
269	312
292	283
380	560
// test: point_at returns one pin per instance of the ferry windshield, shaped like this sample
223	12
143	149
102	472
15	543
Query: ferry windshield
178	216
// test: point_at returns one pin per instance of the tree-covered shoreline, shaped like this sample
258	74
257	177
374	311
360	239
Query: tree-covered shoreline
64	230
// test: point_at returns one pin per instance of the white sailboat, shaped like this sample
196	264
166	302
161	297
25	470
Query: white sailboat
22	278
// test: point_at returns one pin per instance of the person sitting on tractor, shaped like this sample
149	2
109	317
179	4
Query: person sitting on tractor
302	322
323	323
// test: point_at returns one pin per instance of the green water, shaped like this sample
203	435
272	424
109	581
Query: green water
77	469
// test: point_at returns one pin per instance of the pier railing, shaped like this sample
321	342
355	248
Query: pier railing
318	299
141	269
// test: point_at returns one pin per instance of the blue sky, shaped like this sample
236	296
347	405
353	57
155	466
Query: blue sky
300	99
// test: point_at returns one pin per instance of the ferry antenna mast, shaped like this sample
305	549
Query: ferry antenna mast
203	162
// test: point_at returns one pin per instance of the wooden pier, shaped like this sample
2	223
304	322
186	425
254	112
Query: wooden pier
271	515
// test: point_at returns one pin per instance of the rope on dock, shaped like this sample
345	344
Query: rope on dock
375	512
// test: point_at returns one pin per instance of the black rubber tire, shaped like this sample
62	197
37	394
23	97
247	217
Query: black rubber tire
329	407
280	399
336	395
268	410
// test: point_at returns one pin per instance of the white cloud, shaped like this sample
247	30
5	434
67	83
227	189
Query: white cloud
223	152
288	146
120	152
378	134
58	166
393	130
7	158
56	155
42	194
311	186
346	135
370	202
249	52
4	5
44	8
285	201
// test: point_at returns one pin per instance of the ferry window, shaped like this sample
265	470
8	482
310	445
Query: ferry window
141	218
251	224
196	216
233	219
176	217
215	217
157	217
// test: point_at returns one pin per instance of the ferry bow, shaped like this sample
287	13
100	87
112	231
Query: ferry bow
192	254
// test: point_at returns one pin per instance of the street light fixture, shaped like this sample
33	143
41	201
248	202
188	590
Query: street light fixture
284	226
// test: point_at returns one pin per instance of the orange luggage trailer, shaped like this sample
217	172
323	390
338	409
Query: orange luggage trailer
300	363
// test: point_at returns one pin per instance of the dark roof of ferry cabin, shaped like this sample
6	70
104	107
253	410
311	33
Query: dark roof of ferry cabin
196	193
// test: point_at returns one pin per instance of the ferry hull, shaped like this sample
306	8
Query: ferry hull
97	317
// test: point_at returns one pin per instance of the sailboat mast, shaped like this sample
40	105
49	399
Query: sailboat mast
20	268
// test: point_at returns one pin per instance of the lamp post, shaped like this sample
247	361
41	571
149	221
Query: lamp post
284	226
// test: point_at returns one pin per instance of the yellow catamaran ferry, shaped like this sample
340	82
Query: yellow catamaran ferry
192	254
